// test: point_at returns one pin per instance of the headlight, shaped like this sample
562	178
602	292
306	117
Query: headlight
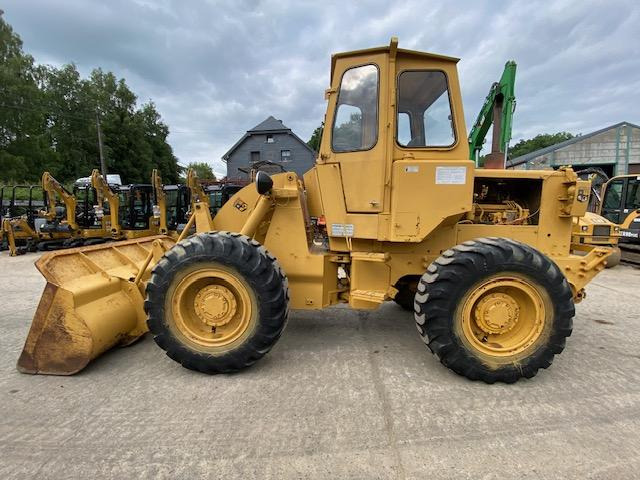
616	229
584	228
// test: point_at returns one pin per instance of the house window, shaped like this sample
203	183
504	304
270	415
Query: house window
285	156
270	139
255	157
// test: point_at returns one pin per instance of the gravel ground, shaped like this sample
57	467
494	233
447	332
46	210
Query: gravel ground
344	394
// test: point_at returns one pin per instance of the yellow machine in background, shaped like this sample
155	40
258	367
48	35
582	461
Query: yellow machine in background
393	209
78	224
18	230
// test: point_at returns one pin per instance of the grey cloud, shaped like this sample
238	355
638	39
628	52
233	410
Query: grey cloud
217	68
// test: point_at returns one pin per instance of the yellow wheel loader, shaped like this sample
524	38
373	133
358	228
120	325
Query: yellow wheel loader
393	205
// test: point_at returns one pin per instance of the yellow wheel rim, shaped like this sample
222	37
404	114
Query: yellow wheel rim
212	307
503	316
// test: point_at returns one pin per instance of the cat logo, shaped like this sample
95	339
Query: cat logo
240	205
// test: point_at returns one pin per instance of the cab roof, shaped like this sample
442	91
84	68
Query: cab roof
392	45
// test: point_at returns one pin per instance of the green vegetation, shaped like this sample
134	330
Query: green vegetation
316	137
48	121
203	171
536	143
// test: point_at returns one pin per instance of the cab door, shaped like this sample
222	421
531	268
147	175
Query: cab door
612	202
358	138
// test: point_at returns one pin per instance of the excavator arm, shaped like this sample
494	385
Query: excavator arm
53	188
7	231
197	192
104	192
160	204
626	224
498	110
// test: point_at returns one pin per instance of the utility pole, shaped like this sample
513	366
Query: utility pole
103	165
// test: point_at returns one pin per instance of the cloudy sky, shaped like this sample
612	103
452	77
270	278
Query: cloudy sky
217	68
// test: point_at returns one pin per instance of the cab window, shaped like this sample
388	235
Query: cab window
613	195
633	194
355	125
424	110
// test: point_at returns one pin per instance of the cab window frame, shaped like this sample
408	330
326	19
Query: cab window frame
337	106
621	194
454	125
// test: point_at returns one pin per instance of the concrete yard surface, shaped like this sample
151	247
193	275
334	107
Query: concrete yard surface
344	394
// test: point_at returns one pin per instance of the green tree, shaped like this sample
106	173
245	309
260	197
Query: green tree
48	121
316	137
156	133
203	170
536	143
23	142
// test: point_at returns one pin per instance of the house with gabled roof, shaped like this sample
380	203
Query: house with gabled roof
270	146
615	149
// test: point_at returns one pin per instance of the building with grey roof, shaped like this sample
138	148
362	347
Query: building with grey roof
615	149
270	146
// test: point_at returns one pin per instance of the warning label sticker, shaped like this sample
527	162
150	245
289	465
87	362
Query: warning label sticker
342	229
451	175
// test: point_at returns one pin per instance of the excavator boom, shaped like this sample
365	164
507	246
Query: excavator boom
498	110
104	192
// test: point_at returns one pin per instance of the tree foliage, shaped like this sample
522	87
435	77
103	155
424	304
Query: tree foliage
49	117
316	137
536	143
203	170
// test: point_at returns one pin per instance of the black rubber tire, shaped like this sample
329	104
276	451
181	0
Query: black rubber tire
405	296
442	289
260	273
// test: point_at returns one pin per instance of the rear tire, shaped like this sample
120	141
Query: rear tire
494	309
217	302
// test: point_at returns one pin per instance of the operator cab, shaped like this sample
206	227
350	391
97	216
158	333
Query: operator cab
178	199
86	200
219	195
136	206
396	143
621	198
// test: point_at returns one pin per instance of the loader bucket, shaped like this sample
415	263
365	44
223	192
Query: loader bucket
93	301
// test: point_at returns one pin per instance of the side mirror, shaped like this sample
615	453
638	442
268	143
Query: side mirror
264	183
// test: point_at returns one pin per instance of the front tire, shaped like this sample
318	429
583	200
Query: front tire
494	309
217	302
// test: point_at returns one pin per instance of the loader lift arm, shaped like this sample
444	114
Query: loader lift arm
53	188
104	192
498	110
